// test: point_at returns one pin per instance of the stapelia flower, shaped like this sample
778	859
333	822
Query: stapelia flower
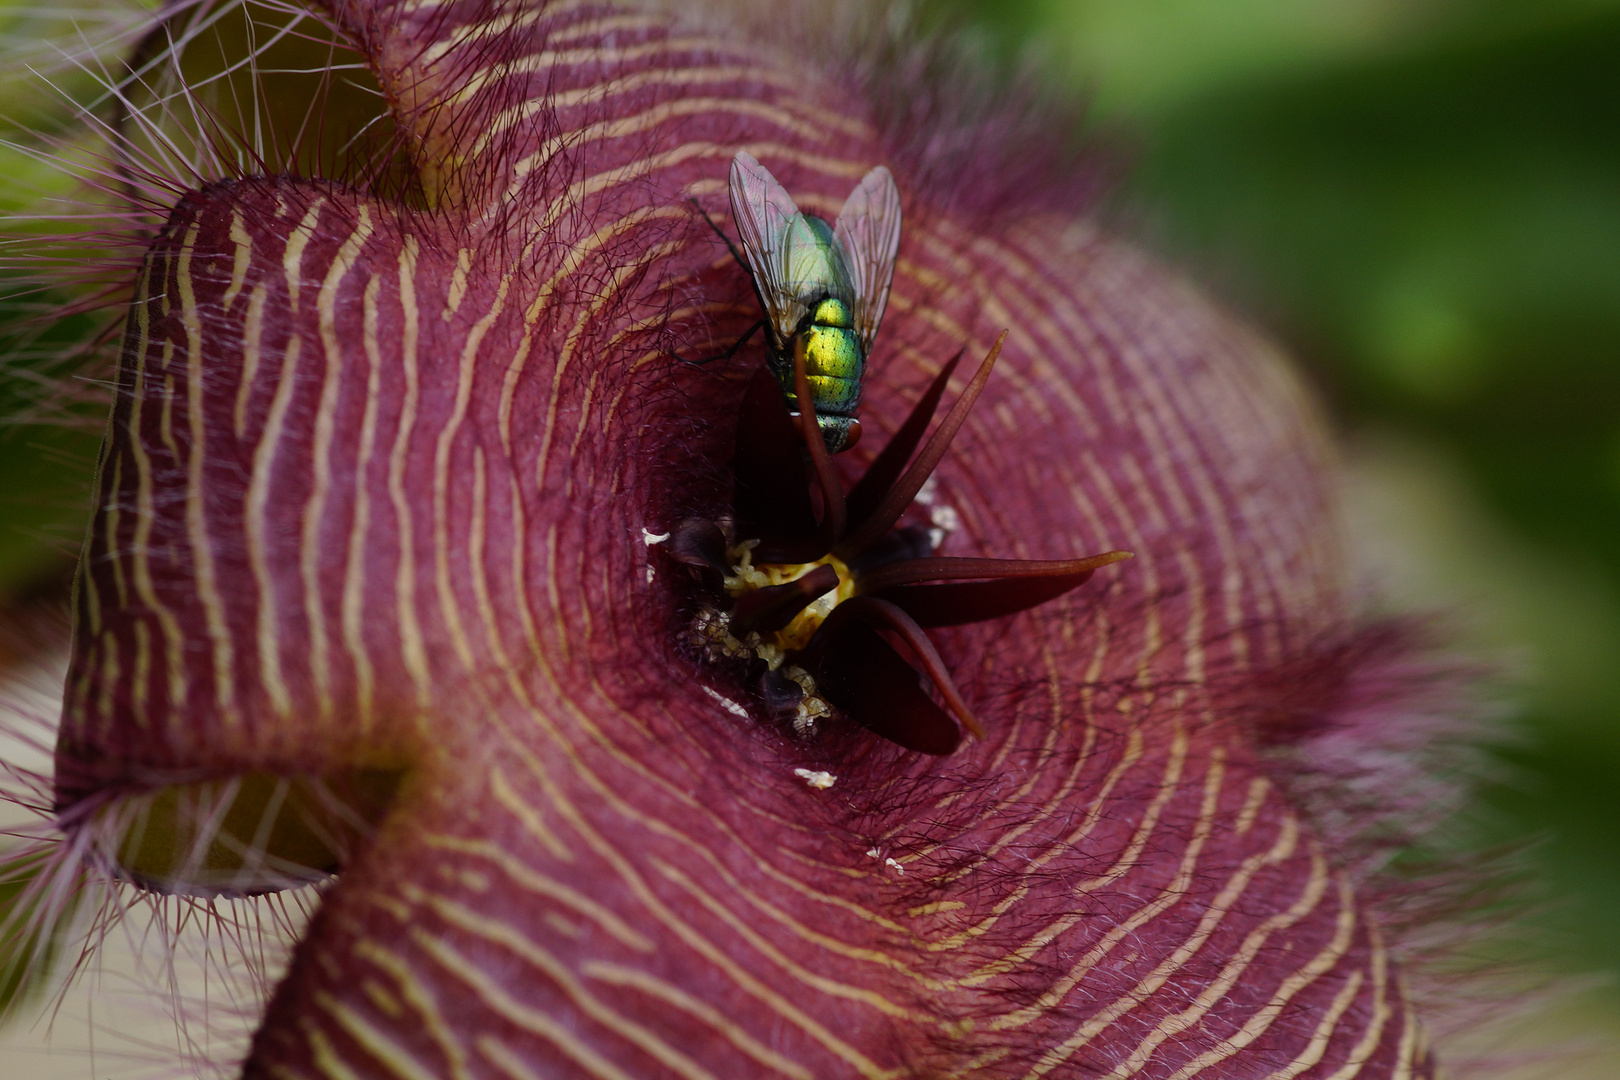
368	587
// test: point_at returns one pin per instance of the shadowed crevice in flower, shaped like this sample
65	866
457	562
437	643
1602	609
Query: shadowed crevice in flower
385	490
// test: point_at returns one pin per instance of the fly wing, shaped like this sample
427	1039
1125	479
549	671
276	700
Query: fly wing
765	215
868	230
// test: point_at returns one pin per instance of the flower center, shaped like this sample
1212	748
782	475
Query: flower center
745	578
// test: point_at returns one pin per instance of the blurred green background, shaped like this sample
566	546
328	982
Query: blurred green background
1422	199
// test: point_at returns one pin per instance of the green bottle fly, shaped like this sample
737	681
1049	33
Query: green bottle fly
823	287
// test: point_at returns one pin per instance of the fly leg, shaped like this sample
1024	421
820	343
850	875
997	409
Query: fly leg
728	354
724	239
742	262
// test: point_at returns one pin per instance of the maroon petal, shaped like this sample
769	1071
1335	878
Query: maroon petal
1013	585
771	501
832	492
867	610
863	675
882	519
910	542
953	605
913	571
868	493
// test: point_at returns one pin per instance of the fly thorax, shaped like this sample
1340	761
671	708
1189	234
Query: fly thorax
832	311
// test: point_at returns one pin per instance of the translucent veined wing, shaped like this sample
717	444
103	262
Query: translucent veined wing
868	229
766	217
813	262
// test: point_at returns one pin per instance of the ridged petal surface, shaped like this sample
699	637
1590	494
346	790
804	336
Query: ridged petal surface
376	491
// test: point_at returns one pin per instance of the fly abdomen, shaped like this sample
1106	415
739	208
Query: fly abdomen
833	366
833	363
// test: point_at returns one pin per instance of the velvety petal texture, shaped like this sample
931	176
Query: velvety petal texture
380	498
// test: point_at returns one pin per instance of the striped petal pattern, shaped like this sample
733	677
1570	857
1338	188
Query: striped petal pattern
377	493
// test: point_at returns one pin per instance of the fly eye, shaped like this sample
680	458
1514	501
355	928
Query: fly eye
853	435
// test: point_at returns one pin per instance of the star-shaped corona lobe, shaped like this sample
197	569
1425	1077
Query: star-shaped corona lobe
376	496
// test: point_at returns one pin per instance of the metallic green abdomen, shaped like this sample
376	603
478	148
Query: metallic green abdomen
833	364
832	361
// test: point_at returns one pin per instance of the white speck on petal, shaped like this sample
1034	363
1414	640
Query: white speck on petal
942	518
873	853
821	781
730	706
945	520
650	538
895	865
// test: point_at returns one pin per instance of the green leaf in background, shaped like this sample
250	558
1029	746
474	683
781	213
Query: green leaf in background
45	456
36	920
